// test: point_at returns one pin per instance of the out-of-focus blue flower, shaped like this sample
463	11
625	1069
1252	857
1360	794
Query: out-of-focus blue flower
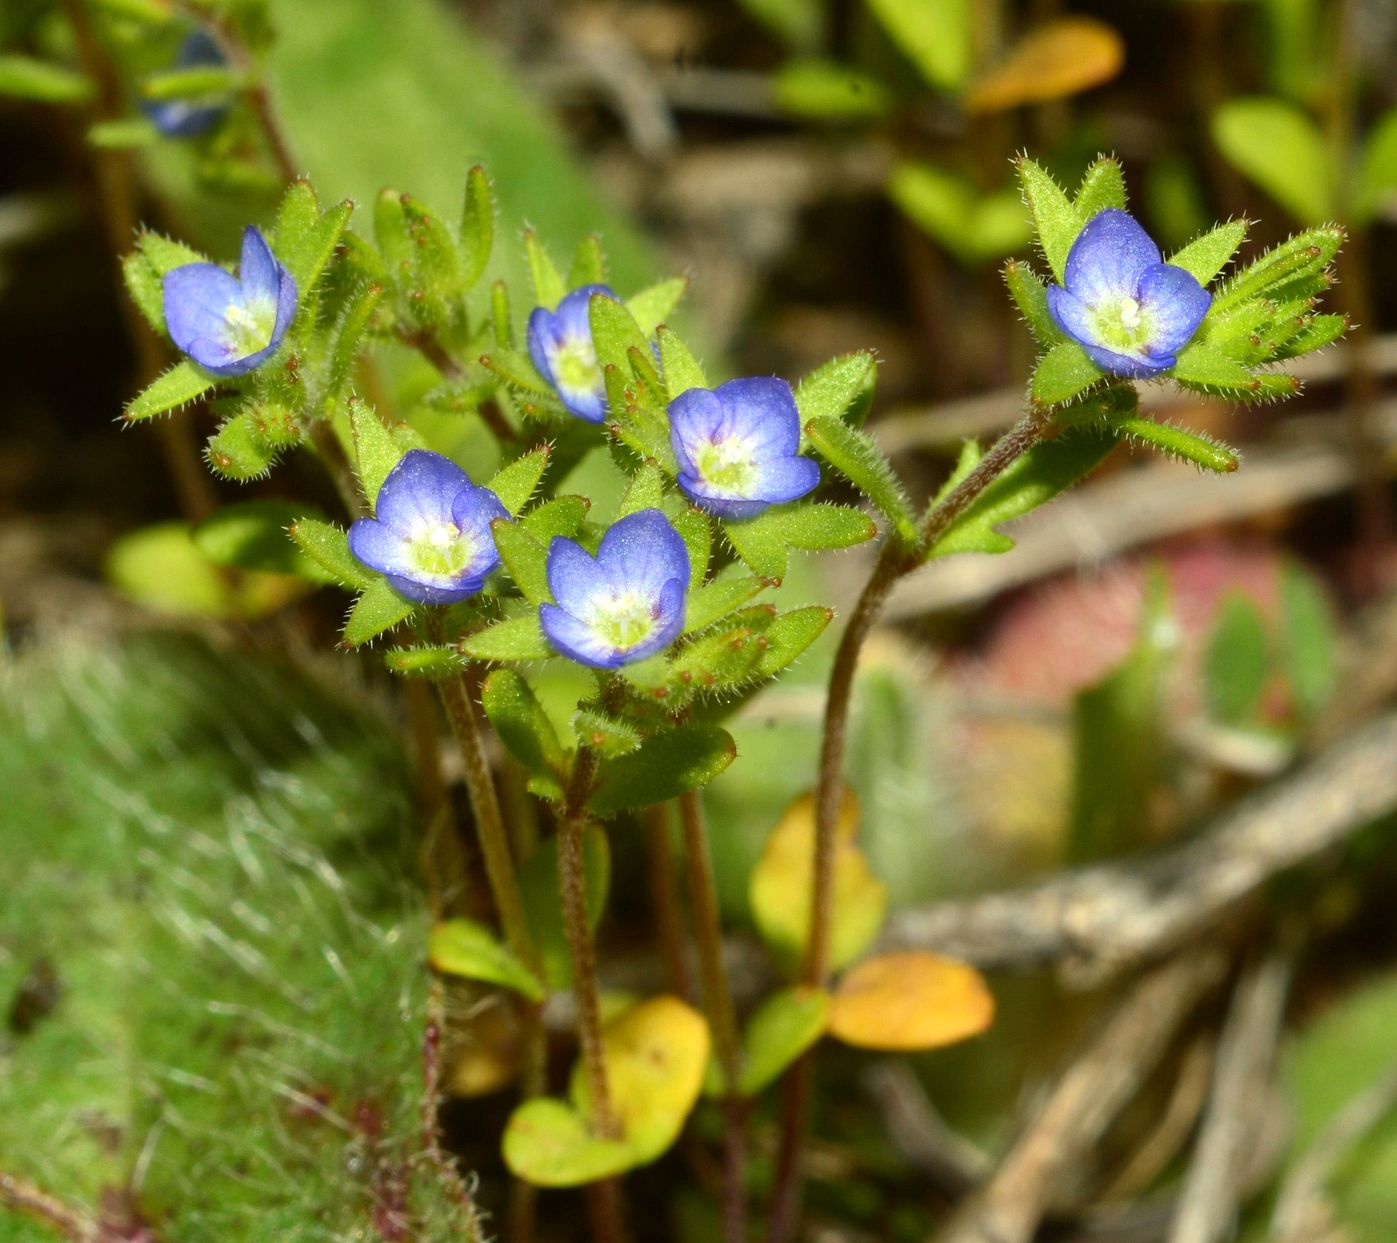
1128	309
560	343
188	118
625	603
736	446
431	534
226	324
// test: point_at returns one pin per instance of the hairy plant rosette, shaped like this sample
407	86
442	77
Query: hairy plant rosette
431	534
624	604
736	447
1121	303
560	343
231	324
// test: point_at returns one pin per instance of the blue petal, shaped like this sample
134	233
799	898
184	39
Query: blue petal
428	593
1072	315
259	273
181	118
761	409
197	297
1109	257
785	479
1074	318
642	553
695	419
377	546
420	490
577	640
1176	304
585	403
719	502
1134	366
543	341
574	313
574	577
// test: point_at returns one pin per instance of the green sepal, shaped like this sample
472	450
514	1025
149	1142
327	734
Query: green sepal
199	82
696	531
464	948
713	601
614	332
1319	331
1207	368
563	515
1030	295
253	535
172	389
1207	255
376	449
433	661
646	490
517	370
719	660
522	724
839	389
662	767
436	270
1054	217
608	735
762	542
679	368
655	304
144	272
1103	186
25	77
517	638
392	234
789	635
549	289
517	481
348	332
1296	265
501	320
304	238
477	226
588	263
328	546
1181	444
237	450
855	456
1037	476
525	558
1063	373
377	609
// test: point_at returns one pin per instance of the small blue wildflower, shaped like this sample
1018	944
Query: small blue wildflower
1128	309
188	118
226	324
431	535
560	343
736	446
625	603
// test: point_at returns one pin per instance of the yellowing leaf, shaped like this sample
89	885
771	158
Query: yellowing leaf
910	1000
548	1144
784	876
1058	59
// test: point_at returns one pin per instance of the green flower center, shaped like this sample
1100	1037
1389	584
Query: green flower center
441	550
624	620
727	464
249	325
575	366
1122	324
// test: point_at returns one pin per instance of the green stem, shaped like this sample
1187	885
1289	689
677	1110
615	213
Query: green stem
717	999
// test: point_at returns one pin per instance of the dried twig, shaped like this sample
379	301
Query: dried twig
20	1196
946	1159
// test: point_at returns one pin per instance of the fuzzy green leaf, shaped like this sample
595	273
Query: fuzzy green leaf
518	638
237	450
181	384
563	515
348	333
525	558
855	455
663	767
608	735
696	531
837	387
1054	217
377	609
501	323
1206	256
1030	295
24	77
1293	266
199	82
1063	373
937	38
307	252
477	226
253	535
645	491
1182	444
655	304
762	542
549	289
678	366
1318	332
328	546
614	333
789	635
464	948
517	370
1206	368
517	481
522	724
426	660
708	603
376	451
588	263
1103	186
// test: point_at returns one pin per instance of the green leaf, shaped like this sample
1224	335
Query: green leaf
655	304
525	558
517	370
588	263
838	388
177	387
1279	147
1236	662
392	234
436	265
477	226
664	767
328	546
762	542
717	661
1208	369
426	660
549	289
548	1143
253	535
645	491
1063	373
1103	186
538	886
855	455
1318	332
43	82
606	734
1030	295
518	638
697	533
614	333
348	332
783	1027
948	206
789	635
937	38
522	724
123	134
1296	262
1032	480
1206	256
464	948
828	91
680	369
1375	181
1054	218
797	23
708	603
501	324
517	481
306	245
376	452
1181	444
1309	640
377	609
563	515
237	450
196	83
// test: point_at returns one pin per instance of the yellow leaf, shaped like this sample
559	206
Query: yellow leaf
1058	59
781	885
910	1000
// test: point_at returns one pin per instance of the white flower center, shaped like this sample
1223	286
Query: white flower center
249	325
575	366
440	550
624	619
1130	313
727	464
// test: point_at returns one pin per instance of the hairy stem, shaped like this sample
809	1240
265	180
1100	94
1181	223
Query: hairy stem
431	348
717	1000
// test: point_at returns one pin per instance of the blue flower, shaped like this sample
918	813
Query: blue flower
431	537
226	324
625	603
560	343
736	447
1128	309
188	118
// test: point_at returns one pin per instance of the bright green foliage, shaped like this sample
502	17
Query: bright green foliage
1063	373
24	77
1031	297
1236	662
1055	219
477	226
936	38
1308	640
523	726
327	545
855	456
663	767
839	389
607	734
236	971
376	450
470	950
1281	149
432	661
1103	186
525	558
827	91
1202	450
253	535
549	286
653	305
517	638
729	591
783	1027
563	515
763	542
377	609
1209	254
238	450
172	390
678	365
946	205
